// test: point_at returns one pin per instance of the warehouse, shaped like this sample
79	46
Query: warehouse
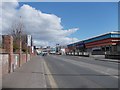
107	43
103	44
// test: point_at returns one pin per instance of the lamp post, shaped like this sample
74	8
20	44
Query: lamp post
20	41
20	48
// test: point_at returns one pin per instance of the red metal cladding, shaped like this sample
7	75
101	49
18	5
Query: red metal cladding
98	45
71	48
105	42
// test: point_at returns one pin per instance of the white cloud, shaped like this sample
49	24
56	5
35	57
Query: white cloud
46	29
8	15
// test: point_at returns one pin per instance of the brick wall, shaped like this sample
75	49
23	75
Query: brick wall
7	41
16	60
4	58
9	61
28	57
4	62
23	59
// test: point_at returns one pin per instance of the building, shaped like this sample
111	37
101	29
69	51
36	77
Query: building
102	44
108	43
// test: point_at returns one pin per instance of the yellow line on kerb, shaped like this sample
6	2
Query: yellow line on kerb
50	77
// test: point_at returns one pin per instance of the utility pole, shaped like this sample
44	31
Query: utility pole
20	41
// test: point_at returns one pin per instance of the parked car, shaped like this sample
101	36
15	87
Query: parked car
58	53
44	53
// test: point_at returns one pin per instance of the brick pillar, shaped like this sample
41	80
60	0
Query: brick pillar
8	46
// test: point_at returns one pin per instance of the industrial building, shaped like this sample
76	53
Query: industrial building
108	43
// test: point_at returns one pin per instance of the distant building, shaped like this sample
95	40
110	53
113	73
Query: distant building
105	43
101	44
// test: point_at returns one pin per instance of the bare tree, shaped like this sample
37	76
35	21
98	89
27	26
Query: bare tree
18	33
17	29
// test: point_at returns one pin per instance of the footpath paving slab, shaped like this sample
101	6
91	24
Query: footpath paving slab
30	75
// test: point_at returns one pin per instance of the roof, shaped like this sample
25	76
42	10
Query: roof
114	32
108	33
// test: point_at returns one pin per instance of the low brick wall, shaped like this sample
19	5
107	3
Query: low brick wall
16	60
4	62
23	58
28	57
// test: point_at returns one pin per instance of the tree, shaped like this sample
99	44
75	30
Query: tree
17	29
18	32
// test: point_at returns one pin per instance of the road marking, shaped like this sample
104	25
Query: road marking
50	77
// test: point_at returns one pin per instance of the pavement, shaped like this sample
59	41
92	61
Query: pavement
109	60
102	58
30	75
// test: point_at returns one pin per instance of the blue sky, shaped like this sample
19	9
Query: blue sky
91	18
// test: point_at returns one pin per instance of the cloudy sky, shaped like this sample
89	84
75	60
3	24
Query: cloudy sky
46	29
63	23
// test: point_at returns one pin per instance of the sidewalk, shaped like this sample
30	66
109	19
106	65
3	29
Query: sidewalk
102	58
30	75
109	60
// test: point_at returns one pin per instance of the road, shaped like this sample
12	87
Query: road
80	72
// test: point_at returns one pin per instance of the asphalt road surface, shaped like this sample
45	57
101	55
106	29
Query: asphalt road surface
80	72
